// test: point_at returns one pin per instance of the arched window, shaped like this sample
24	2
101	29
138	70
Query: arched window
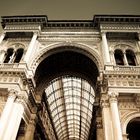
131	59
119	57
19	54
9	54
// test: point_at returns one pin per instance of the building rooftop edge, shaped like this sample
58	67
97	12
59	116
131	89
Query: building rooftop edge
43	20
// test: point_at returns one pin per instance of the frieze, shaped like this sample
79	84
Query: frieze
69	38
123	83
27	27
120	27
127	105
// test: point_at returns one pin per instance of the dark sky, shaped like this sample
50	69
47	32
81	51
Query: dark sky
69	9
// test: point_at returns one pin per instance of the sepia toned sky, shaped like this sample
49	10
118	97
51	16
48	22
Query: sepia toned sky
69	9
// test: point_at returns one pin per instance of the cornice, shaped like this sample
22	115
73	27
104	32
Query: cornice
43	20
22	20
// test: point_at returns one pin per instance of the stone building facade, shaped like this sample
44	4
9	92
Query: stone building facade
70	80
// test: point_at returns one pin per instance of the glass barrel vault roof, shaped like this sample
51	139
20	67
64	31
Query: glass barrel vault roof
70	101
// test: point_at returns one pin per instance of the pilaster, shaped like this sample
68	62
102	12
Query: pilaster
105	49
31	47
99	129
117	132
2	37
107	128
2	55
31	128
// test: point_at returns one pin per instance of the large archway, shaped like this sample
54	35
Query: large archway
133	128
67	82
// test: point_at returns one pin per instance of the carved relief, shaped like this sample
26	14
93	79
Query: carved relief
3	100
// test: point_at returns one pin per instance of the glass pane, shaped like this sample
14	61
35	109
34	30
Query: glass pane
70	101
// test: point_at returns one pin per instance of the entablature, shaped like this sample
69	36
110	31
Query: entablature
17	73
123	77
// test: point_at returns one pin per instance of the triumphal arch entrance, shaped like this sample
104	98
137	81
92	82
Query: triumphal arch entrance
70	80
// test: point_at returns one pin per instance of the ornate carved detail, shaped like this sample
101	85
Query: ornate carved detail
113	96
33	119
44	116
137	100
99	123
104	102
13	93
120	27
68	46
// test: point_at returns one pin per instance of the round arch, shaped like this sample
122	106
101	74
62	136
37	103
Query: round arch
65	46
123	47
130	116
72	58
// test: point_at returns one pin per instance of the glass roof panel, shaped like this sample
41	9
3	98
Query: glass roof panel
70	101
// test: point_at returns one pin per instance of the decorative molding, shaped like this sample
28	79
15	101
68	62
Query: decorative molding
99	123
104	102
113	96
91	53
115	27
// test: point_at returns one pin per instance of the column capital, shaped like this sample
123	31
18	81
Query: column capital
99	123
12	93
21	99
113	96
33	119
35	33
104	101
103	32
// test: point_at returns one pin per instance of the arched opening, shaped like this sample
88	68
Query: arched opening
131	59
68	82
70	100
133	128
119	57
9	54
18	54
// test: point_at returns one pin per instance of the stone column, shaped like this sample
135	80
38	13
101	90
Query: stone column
100	135
107	127
125	59
6	114
2	37
31	47
12	57
29	135
14	120
115	116
105	48
113	58
2	55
